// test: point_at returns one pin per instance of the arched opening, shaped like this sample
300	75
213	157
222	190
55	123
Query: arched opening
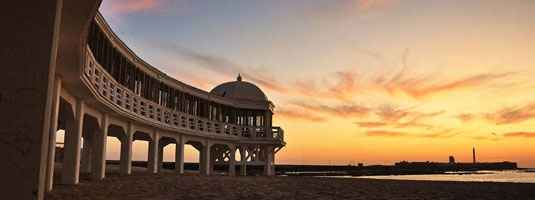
140	151
91	134
167	160
192	157
66	125
114	141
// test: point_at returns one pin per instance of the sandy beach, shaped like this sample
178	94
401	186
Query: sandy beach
169	185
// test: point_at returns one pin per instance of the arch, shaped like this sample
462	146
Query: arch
164	144
150	162
193	149
89	147
66	124
116	139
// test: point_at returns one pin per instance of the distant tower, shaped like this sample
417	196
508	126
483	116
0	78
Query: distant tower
474	155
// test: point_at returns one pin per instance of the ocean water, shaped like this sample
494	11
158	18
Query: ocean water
513	176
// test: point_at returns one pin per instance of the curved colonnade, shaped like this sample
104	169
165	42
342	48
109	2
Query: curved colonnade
126	98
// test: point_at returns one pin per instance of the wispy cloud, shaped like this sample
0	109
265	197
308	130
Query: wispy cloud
389	113
399	118
420	87
371	5
371	124
299	115
394	134
520	134
512	115
337	110
223	66
384	133
346	87
466	117
343	85
118	7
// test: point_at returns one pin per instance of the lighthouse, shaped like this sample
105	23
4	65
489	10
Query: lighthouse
474	154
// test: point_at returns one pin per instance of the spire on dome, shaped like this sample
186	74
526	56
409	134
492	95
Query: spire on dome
239	77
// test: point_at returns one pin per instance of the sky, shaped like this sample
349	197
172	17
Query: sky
357	81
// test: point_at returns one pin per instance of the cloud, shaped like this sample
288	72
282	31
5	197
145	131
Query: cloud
371	5
388	133
132	6
371	124
466	117
383	133
520	134
424	87
300	115
399	118
468	82
346	87
223	66
390	114
339	85
512	115
338	110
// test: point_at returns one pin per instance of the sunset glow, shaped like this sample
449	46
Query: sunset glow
357	81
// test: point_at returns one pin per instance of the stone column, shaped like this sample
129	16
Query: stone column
29	54
160	155
232	161
179	155
85	159
213	155
126	151
152	163
100	149
71	161
243	161
205	159
269	155
56	98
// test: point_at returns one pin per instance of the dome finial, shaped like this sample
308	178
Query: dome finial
239	77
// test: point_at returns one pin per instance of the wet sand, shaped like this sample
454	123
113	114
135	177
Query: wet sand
170	186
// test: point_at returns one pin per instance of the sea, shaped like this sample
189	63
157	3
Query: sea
509	176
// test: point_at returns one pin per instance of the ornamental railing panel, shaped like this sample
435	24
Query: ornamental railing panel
122	97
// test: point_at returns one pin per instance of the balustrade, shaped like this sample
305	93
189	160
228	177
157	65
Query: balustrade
120	96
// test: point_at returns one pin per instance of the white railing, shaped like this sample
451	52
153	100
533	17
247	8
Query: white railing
106	86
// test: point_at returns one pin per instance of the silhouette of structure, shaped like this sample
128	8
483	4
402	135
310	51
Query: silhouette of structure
474	155
66	70
452	160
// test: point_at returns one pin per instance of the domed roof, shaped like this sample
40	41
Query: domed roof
241	90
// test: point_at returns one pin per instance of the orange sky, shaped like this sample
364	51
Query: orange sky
358	80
